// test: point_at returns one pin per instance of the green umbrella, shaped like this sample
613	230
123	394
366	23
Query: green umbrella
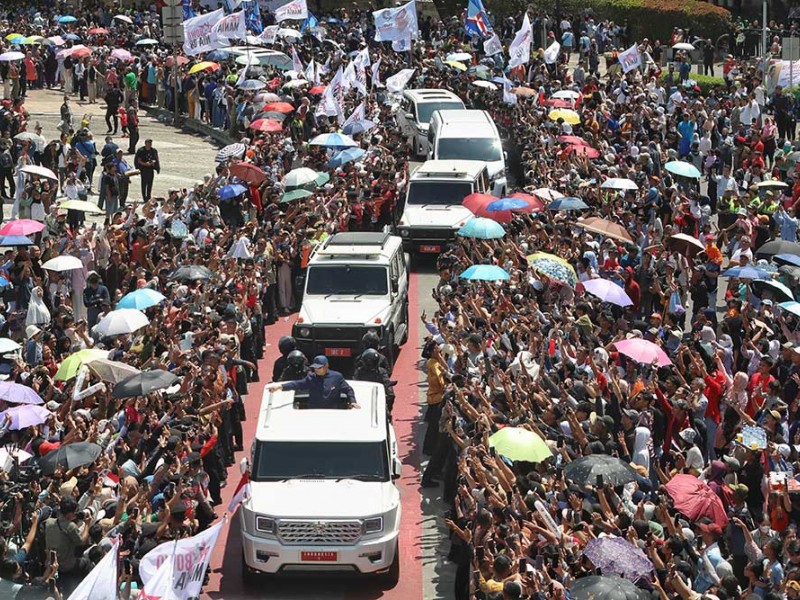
516	443
322	179
72	364
295	195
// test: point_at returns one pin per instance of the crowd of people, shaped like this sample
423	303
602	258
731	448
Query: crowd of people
618	416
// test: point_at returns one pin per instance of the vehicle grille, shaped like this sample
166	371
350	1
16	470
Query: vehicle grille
437	234
319	533
338	334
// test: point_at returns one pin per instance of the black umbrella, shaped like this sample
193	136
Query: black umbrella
192	273
272	114
70	457
143	383
585	470
607	587
778	247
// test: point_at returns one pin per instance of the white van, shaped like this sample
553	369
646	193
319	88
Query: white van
433	211
469	135
414	114
322	493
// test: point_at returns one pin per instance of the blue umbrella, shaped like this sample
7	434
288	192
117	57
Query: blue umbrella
15	240
507	204
217	55
682	169
3	282
67	19
333	140
568	204
747	273
775	288
788	259
147	42
72	36
792	307
252	85
357	127
485	273
141	299
345	156
231	191
484	229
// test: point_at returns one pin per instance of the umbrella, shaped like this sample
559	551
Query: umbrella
56	40
40	171
247	60
192	273
15	240
81	205
147	42
582	150
553	267
567	95
643	351
121	322
683	46
557	103
318	90
248	172
787	259
272	115
619	183
694	499
771	183
26	415
124	18
345	156
333	140
21	227
71	365
357	127
477	204
230	151
19	394
517	443
322	179
266	125
141	299
13	36
484	84
747	272
252	85
9	456
480	228
573	139
535	204
775	288
485	273
685	244
459	56
143	383
121	54
63	263
507	204
8	56
111	371
616	555
792	307
240	249
70	457
71	36
299	177
571	203
97	31
295	83
8	345
282	107
67	19
81	52
683	169
778	247
790	270
456	65
295	195
218	55
596	587
547	194
290	33
585	470
226	192
569	116
607	291
606	228
27	136
205	65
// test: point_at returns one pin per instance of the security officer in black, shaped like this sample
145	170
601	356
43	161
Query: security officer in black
368	369
285	345
371	341
296	366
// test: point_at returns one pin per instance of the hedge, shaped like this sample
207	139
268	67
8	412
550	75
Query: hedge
706	83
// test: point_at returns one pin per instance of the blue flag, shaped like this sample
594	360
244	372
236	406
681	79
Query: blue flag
477	22
230	6
310	22
188	11
253	17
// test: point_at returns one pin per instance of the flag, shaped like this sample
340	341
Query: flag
508	96
477	22
311	73
198	33
332	102
376	75
188	11
310	23
269	34
297	64
630	59
101	582
403	45
166	577
232	26
296	10
359	114
253	16
520	49
231	5
493	46
396	23
551	53
242	75
239	497
351	79
397	82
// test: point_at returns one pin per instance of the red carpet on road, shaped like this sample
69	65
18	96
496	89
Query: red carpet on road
225	581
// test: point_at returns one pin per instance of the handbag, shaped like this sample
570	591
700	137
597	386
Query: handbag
675	306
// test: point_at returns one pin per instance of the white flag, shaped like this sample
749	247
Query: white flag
630	59
359	114
199	34
270	34
520	49
101	582
326	66
186	560
376	75
242	76
398	82
396	23
296	10
551	53
238	498
332	102
311	72
492	46
351	79
233	26
297	64
362	58
509	97
403	45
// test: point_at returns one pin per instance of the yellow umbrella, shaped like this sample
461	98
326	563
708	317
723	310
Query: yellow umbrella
456	65
569	116
554	267
202	66
33	39
72	364
12	36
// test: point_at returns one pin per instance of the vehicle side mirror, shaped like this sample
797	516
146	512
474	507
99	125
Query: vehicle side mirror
397	468
244	465
395	285
410	116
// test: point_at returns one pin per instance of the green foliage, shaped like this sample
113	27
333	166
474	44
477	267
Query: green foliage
706	83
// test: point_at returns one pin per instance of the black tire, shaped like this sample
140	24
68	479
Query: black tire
405	322
249	576
392	576
391	351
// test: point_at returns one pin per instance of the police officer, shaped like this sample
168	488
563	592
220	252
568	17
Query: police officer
285	345
296	366
371	341
369	368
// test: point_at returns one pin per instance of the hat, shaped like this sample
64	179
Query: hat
710	528
740	489
319	362
725	341
67	487
584	322
632	414
784	449
775	415
32	331
688	435
732	462
52	405
192	458
656	316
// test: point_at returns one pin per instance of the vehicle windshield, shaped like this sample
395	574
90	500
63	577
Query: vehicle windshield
426	109
347	279
485	149
366	461
440	193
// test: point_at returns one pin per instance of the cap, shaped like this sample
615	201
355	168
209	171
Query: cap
319	362
740	489
688	435
31	331
732	462
632	414
192	458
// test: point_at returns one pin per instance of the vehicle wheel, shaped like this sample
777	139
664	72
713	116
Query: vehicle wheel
391	351
405	322
392	576
249	576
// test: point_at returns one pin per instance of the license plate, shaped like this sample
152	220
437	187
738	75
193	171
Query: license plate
430	249
325	556
338	351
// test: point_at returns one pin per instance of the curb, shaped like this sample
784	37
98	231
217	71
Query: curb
190	125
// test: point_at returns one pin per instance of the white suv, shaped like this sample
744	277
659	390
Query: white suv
355	283
322	494
414	114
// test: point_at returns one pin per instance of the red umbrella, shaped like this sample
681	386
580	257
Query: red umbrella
694	499
580	150
282	107
477	203
182	60
81	52
557	103
248	172
317	90
98	31
267	125
573	139
535	203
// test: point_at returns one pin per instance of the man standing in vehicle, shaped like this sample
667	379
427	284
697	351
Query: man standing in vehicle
325	387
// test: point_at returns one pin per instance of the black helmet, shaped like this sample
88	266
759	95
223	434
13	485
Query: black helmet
286	344
370	358
371	340
296	359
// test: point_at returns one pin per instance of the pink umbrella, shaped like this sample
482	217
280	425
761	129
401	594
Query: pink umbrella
121	54
643	351
21	227
477	203
16	393
26	415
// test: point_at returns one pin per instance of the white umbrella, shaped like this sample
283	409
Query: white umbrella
252	40
683	46
296	83
121	322
299	177
10	455
619	183
567	95
459	56
40	171
290	33
8	345
63	263
772	183
125	18
240	249
9	56
57	40
484	84
547	194
111	371
81	205
34	138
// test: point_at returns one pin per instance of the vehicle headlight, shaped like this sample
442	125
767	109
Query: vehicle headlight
265	524
404	233
305	332
373	525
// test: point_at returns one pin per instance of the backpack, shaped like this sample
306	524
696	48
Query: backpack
6	162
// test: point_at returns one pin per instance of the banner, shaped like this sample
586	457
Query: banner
477	22
231	5
311	73
188	11
551	53
403	45
376	75
398	82
101	582
190	558
396	23
199	35
270	34
242	76
630	59
520	49
332	102
252	13
296	10
493	46
359	114
508	96
231	27
297	64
